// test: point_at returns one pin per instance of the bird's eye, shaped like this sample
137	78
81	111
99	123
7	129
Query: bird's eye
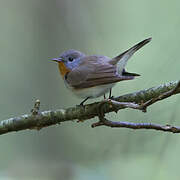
70	59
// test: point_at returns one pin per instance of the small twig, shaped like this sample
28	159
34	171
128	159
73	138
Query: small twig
143	107
168	128
116	106
131	105
36	108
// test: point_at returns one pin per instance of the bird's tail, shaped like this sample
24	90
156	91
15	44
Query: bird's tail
122	59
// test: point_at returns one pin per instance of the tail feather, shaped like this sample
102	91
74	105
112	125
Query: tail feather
125	73
122	59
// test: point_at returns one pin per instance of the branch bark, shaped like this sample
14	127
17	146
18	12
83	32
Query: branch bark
137	100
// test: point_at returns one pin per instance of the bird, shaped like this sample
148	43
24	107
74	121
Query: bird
92	76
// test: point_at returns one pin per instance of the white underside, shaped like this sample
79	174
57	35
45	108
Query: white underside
92	92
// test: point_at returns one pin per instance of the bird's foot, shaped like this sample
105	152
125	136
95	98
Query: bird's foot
111	97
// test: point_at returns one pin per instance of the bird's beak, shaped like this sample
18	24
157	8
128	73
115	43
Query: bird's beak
57	59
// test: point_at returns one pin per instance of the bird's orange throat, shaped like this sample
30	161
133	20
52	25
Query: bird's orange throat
63	69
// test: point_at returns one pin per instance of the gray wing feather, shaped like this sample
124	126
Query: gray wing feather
93	71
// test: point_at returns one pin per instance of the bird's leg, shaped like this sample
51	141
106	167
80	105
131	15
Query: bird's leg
81	104
110	94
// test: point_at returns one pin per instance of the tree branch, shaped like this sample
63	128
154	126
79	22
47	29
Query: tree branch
168	128
138	100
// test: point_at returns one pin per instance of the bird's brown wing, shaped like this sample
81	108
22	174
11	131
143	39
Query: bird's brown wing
93	71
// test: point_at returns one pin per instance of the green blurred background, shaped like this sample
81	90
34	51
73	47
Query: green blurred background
34	31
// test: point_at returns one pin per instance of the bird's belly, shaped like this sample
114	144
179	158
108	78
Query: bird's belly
92	92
